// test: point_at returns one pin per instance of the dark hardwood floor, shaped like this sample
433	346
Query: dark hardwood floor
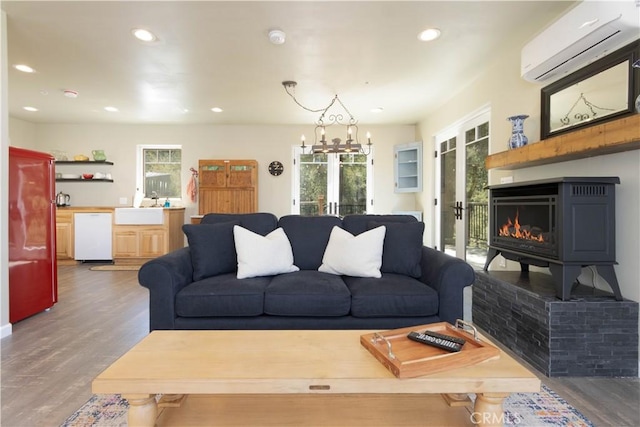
49	361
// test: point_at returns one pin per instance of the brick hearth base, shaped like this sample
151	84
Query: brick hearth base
590	335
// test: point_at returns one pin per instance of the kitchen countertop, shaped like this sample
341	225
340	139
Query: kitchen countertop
104	208
85	208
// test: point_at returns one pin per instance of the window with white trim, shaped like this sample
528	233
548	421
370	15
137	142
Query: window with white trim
159	170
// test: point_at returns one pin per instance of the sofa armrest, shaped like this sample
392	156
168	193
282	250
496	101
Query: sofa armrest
448	276
164	277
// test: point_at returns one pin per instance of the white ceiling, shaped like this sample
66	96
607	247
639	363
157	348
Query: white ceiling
213	53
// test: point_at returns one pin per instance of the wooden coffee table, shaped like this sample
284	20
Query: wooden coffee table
296	378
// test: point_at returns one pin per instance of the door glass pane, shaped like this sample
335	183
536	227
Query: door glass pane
448	199
477	209
470	135
313	184
483	130
353	184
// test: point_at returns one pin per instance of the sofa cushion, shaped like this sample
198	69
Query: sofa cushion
222	296
402	250
262	255
392	295
307	293
356	224
308	236
351	255
212	248
262	223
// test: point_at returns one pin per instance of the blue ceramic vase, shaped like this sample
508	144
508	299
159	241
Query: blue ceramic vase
518	138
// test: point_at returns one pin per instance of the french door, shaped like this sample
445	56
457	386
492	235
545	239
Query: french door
332	184
463	197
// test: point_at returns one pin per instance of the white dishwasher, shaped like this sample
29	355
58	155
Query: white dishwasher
92	233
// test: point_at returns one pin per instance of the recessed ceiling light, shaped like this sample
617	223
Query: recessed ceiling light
111	109
377	110
429	34
30	108
216	110
24	68
143	35
70	93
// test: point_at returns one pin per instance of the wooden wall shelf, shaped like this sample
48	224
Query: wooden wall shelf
611	137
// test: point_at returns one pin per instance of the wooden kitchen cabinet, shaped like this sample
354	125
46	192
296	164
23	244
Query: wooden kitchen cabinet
138	243
125	241
228	186
152	242
64	235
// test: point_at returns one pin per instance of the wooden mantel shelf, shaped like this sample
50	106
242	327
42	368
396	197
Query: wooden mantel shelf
611	137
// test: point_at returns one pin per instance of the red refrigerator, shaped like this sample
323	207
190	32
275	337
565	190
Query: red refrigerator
33	279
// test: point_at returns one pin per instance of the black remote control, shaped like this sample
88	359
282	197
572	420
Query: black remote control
435	342
459	340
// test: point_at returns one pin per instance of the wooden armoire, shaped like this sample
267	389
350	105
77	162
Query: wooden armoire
227	186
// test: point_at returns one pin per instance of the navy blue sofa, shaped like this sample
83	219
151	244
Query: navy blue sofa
193	287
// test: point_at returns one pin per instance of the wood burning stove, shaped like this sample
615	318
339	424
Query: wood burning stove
561	223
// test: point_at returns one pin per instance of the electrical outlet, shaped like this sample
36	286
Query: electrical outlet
124	201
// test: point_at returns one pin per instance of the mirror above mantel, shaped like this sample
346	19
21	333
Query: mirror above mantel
602	91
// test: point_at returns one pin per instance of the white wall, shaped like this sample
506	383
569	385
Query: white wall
263	143
23	132
5	326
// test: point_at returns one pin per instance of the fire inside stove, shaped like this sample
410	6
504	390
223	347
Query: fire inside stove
526	225
526	232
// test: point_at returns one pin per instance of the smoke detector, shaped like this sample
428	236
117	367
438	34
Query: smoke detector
277	36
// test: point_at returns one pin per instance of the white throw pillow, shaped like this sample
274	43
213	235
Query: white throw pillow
358	256
262	255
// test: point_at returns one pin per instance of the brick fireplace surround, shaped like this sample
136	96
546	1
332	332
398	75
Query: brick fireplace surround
591	334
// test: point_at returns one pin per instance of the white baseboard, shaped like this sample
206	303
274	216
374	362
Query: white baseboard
6	330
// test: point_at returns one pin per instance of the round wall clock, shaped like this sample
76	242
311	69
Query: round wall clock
276	168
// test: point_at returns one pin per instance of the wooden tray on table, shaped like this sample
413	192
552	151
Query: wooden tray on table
408	359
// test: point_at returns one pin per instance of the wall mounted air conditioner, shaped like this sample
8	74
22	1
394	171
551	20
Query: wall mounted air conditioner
585	33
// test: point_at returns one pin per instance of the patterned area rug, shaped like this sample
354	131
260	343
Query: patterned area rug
521	409
541	410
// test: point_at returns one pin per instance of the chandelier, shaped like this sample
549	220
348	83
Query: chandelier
350	145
